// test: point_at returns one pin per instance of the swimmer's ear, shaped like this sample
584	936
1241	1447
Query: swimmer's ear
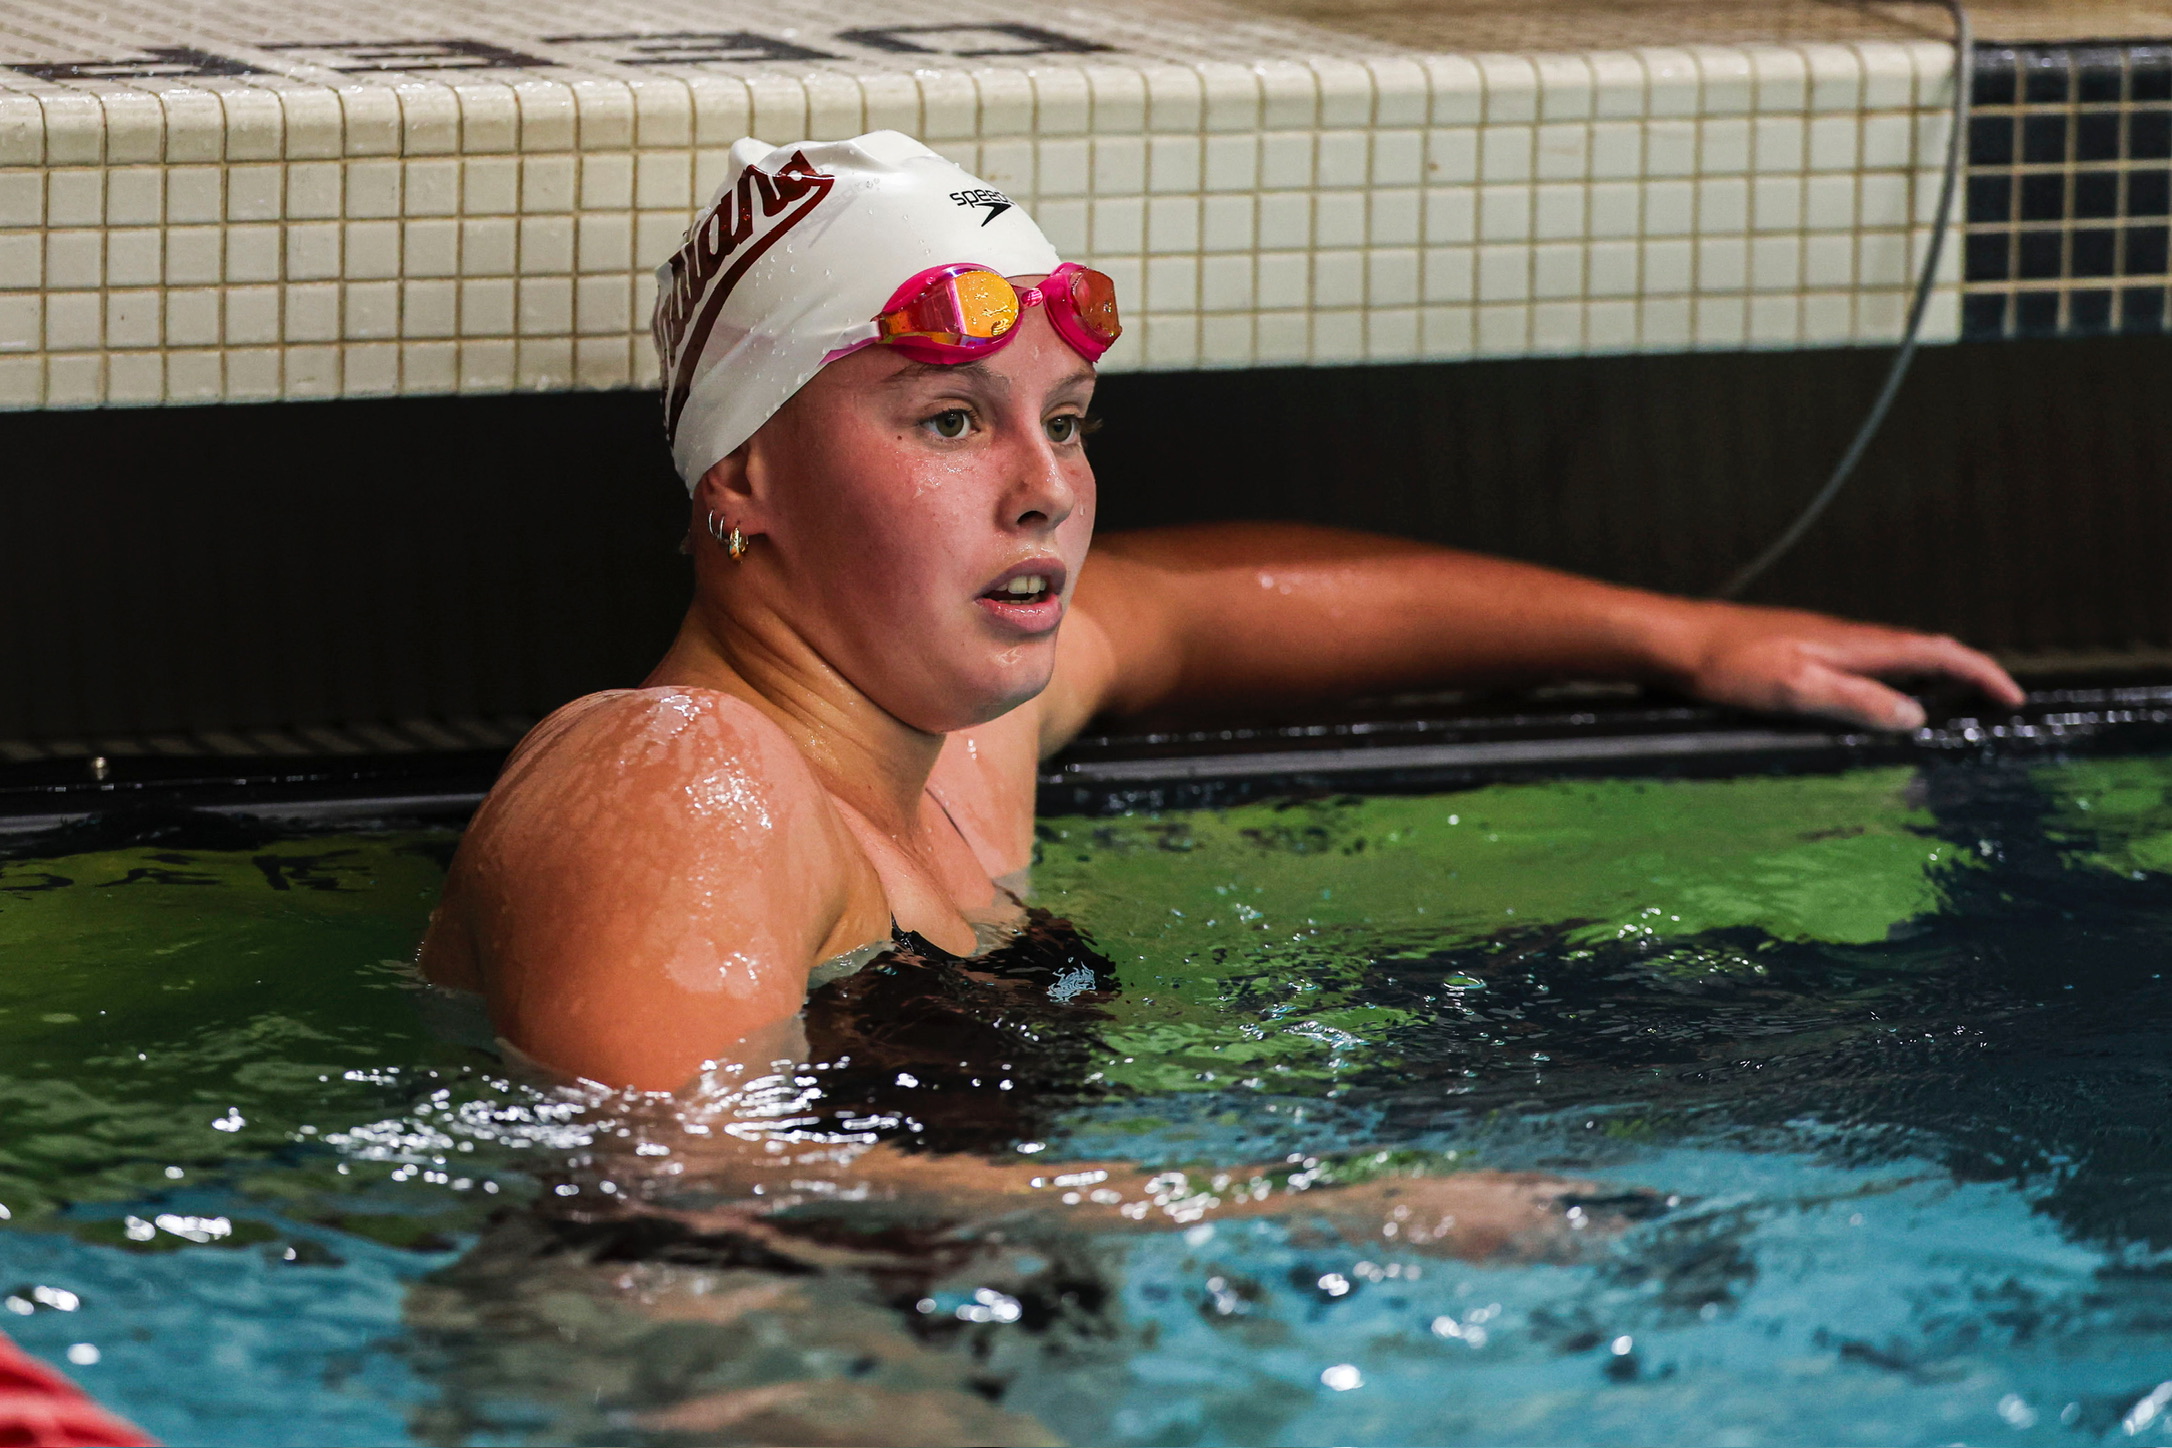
732	482
738	488
724	483
725	491
730	491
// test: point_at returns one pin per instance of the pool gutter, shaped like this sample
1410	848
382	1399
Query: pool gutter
1439	743
1621	734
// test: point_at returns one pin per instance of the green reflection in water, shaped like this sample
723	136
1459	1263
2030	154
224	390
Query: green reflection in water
2111	814
163	1007
201	1011
1282	909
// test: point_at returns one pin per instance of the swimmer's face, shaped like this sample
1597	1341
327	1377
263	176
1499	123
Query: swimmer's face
922	526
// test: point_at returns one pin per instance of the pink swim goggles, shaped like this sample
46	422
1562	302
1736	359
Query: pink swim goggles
962	312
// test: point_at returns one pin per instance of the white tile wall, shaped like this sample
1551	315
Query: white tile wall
1263	194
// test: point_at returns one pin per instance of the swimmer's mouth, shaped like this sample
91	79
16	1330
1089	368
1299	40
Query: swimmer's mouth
1030	594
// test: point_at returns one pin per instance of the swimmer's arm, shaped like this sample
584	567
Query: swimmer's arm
650	895
1183	619
1462	1213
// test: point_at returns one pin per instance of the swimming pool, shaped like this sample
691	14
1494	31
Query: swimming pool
1854	1083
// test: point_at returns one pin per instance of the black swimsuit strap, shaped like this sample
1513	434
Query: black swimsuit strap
913	943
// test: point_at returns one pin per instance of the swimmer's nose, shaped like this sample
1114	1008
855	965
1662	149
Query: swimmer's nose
1042	495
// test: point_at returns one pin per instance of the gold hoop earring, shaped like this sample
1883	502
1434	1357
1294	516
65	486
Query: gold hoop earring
735	543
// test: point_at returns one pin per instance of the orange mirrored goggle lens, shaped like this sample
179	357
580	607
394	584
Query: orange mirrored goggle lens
1093	302
968	306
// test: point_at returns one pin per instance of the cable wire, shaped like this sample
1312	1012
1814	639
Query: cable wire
1964	77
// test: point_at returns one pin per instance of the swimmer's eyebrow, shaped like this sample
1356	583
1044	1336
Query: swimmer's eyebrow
915	371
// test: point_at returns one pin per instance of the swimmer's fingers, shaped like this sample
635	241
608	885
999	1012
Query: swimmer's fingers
1802	663
1833	679
1891	653
1831	693
1780	675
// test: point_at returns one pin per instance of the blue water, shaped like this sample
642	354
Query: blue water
1856	1086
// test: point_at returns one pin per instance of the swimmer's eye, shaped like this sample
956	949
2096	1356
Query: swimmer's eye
951	424
1070	427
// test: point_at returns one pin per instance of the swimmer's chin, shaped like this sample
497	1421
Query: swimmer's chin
1021	693
979	695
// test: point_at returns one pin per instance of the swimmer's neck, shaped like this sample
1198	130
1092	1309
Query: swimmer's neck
865	756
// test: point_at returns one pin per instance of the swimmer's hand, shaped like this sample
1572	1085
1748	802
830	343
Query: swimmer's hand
1787	661
1179	621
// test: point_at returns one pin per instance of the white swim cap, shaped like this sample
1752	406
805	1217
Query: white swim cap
792	258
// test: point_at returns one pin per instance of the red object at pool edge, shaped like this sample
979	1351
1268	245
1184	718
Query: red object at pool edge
41	1409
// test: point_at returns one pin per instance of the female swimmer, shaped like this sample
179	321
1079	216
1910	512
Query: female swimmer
877	377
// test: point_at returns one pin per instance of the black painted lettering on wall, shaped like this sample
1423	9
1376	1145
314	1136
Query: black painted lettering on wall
303	872
1013	38
676	47
155	875
154	62
696	47
361	57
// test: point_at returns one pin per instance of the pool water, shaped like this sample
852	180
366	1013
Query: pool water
1855	1089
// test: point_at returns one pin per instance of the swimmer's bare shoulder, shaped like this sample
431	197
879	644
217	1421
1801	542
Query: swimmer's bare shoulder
651	879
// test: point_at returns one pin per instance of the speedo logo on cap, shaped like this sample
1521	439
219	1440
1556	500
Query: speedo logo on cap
995	202
745	222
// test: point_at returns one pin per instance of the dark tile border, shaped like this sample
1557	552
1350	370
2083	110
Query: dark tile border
2068	189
